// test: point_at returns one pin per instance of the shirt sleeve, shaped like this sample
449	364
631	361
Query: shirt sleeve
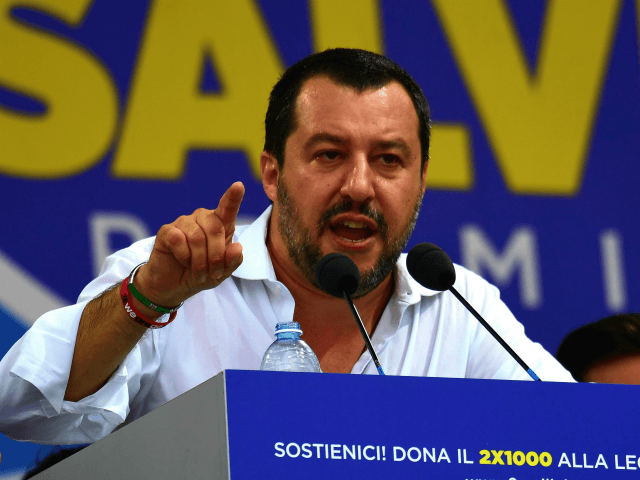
35	371
489	359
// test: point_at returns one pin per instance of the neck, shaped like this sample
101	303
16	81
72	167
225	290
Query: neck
328	325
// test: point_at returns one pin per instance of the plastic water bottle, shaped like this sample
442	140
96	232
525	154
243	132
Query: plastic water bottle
288	353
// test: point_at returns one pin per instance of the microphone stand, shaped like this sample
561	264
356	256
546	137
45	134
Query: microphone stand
494	333
363	331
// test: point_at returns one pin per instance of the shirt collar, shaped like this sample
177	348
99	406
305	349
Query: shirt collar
256	262
407	289
257	265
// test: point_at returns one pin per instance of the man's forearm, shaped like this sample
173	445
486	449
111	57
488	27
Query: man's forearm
106	335
194	253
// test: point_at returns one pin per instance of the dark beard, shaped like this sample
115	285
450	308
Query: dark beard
305	253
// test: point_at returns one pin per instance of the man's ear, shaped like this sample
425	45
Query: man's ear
424	175
269	172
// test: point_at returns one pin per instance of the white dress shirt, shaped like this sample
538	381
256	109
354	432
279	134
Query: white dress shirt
421	333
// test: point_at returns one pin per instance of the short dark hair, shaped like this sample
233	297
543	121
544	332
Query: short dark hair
359	69
612	337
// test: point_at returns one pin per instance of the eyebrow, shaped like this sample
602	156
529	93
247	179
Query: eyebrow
324	137
395	144
384	145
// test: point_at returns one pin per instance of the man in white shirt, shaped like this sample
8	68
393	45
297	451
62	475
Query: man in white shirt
345	163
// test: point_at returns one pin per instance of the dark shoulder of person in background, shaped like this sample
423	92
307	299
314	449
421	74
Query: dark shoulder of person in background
606	351
56	455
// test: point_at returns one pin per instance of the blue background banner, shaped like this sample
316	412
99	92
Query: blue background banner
117	117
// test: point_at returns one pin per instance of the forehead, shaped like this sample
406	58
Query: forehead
323	103
617	369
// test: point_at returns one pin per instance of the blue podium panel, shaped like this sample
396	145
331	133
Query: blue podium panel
347	426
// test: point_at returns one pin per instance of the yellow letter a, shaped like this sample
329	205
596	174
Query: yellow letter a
167	115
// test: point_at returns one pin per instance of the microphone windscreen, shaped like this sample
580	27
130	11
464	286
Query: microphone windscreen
431	267
336	273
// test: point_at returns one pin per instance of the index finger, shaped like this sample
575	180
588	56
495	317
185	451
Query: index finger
229	204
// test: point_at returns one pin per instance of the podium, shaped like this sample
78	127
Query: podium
272	425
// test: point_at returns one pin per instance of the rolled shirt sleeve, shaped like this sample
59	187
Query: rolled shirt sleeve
35	372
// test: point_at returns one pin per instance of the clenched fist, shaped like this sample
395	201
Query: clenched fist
194	253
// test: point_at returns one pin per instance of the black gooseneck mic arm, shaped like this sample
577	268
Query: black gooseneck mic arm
363	331
339	276
495	334
432	268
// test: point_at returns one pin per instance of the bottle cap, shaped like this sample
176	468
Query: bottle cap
286	327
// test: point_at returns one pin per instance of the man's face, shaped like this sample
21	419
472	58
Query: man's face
351	181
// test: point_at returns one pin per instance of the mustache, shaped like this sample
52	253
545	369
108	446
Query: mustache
347	206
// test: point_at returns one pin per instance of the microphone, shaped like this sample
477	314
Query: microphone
432	268
336	273
339	276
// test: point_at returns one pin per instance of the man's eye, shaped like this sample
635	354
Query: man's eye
330	155
389	159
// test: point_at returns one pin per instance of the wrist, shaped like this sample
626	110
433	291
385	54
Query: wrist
135	313
144	310
148	297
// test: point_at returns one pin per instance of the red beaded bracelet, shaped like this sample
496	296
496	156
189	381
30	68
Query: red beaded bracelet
135	315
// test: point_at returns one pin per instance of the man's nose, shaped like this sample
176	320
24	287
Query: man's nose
359	180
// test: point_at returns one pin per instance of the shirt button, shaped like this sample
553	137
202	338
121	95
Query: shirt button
278	290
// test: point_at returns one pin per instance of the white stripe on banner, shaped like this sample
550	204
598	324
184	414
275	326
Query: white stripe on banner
613	274
15	475
23	295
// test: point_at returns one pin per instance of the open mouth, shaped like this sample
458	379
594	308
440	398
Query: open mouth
352	231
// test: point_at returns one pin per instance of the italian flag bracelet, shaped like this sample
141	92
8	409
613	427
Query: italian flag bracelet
134	291
132	311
